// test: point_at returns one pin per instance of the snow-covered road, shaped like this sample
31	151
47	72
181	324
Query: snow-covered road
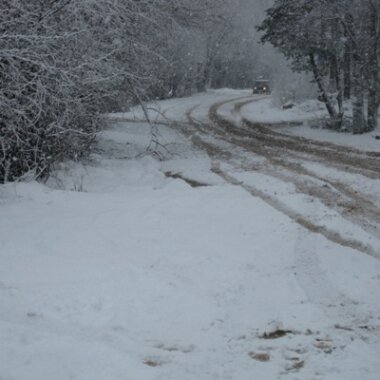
232	258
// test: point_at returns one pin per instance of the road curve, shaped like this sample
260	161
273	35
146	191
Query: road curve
284	159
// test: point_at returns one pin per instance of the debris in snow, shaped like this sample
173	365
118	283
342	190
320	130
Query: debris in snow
296	366
33	314
275	331
259	356
324	345
152	362
189	181
340	327
279	333
287	105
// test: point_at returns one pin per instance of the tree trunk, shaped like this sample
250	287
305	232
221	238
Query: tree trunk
174	85
347	71
336	121
373	69
373	108
201	78
358	123
333	74
339	83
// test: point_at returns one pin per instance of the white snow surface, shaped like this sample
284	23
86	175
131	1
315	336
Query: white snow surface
265	111
308	114
113	270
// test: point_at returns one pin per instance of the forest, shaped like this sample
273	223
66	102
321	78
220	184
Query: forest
339	43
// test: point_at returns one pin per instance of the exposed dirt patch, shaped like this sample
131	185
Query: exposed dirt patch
153	362
192	182
276	334
259	356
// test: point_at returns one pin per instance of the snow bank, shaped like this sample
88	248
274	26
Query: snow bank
308	114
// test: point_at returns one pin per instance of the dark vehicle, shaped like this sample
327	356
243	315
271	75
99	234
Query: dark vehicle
261	87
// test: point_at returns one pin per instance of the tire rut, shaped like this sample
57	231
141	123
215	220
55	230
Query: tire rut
368	163
333	194
353	205
333	236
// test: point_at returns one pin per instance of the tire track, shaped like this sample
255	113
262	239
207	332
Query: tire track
366	216
364	163
354	206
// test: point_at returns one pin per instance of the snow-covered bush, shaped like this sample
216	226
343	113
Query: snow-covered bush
64	63
61	66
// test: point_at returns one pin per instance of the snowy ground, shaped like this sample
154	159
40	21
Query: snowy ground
214	263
